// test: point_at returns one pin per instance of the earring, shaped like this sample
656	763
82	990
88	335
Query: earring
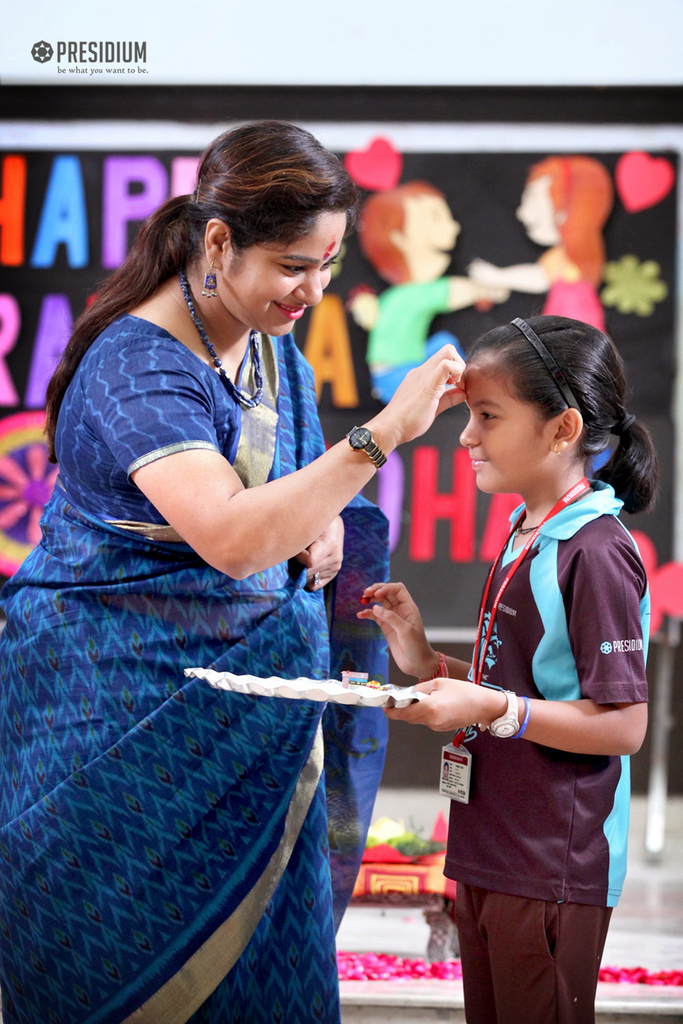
209	289
556	449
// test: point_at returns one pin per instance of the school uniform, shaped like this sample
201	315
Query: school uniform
539	852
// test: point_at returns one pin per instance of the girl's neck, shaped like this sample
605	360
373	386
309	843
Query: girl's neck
542	498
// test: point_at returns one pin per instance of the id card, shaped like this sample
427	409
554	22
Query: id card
456	764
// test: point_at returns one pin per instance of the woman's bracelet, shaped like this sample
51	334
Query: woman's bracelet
442	670
524	724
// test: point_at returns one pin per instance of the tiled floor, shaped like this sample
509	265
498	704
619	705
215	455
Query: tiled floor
646	929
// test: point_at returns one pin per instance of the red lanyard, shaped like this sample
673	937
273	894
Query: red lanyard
480	651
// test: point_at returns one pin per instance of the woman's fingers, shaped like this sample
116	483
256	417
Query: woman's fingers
420	396
323	558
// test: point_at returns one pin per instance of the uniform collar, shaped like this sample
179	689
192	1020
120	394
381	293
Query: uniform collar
602	501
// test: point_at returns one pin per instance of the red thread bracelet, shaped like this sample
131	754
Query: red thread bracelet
442	672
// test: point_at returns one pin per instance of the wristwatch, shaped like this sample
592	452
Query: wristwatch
361	440
508	724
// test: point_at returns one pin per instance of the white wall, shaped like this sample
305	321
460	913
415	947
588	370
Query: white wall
359	42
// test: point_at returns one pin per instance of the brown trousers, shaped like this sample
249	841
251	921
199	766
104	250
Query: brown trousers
527	961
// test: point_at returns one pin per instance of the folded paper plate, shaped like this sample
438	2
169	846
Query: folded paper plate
309	689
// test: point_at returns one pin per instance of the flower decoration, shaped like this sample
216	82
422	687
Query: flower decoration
382	967
632	286
26	483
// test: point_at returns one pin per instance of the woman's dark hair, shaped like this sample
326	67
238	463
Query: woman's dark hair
594	371
268	181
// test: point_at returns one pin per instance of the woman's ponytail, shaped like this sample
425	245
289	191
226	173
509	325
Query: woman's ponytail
633	470
162	247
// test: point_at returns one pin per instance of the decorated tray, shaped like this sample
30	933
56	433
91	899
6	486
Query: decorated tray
309	689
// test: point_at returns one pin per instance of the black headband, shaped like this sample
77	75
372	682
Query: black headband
552	366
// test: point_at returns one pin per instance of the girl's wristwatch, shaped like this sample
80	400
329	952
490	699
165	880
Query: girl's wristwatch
361	440
508	724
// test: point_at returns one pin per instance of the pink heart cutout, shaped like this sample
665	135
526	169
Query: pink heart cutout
643	180
378	167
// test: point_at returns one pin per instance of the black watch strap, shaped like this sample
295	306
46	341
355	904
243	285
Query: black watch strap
376	453
361	440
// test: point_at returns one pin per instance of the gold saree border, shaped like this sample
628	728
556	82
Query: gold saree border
150	531
170	449
256	446
184	993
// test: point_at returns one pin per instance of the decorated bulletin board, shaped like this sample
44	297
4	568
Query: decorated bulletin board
459	231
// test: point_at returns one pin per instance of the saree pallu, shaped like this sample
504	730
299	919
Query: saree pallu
164	845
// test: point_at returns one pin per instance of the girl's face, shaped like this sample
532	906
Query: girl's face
268	286
537	212
510	446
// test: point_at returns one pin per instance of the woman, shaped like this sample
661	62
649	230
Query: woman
165	843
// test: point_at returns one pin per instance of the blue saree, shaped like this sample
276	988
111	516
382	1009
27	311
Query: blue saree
164	845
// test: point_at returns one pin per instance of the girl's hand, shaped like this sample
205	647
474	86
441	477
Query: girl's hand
324	556
399	618
423	394
452	704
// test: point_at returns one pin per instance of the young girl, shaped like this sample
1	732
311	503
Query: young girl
539	851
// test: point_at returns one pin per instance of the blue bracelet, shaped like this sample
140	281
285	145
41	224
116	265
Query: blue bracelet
524	724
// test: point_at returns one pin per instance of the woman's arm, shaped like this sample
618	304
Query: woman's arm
241	531
577	726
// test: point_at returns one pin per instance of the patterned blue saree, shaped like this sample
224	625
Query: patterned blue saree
164	845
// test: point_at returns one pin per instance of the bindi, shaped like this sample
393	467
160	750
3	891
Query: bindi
330	249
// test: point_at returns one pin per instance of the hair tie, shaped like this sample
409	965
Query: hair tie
624	424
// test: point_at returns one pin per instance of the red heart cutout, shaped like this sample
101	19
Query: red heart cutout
378	167
643	180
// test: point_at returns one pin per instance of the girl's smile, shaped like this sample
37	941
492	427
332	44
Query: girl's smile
513	450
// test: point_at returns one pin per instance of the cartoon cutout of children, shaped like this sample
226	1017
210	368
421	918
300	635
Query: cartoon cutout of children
408	233
564	206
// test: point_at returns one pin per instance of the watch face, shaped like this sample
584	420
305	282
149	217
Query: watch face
360	437
508	727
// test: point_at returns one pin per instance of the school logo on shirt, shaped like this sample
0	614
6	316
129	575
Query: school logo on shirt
621	646
494	642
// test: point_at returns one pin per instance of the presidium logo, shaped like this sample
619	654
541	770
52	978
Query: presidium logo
93	52
42	52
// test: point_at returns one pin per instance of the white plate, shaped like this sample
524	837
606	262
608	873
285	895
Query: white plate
309	689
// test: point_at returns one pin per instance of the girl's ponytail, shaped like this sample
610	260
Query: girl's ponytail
159	251
632	470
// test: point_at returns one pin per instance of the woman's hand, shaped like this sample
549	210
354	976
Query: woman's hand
323	558
422	395
397	615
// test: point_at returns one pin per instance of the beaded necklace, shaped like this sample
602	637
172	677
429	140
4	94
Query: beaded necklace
238	396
